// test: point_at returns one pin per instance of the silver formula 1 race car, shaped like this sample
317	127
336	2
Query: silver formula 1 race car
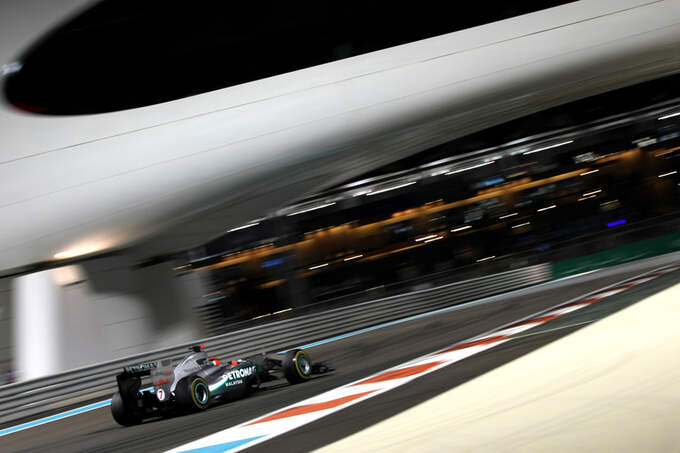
199	381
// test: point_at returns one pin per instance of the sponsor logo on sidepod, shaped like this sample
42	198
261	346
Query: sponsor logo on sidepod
236	376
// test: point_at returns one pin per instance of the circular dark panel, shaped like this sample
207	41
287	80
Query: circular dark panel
122	54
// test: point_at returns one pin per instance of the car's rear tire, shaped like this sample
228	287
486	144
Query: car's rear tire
252	384
192	394
297	366
122	415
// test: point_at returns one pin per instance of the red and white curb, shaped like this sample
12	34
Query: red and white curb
270	425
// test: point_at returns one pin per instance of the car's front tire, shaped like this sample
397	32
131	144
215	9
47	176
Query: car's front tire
192	394
297	366
122	415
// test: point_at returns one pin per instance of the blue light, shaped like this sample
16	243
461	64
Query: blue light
616	223
490	182
274	262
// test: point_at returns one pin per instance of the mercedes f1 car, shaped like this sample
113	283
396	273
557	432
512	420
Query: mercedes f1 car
199	381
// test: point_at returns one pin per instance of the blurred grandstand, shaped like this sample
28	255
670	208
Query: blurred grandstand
580	178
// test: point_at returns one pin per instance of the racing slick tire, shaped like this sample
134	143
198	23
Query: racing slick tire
296	366
192	394
121	415
252	384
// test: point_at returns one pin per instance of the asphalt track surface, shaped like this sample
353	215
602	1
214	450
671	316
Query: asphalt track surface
354	358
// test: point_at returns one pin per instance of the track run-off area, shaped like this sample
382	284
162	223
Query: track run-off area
380	372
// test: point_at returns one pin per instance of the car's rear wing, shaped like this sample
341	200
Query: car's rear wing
140	369
130	380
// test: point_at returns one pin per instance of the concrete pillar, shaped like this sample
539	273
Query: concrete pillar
101	310
37	325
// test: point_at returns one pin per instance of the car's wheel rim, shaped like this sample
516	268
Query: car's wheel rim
304	365
201	393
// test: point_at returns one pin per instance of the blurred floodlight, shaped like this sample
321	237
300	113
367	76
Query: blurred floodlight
667	174
356	183
594	192
355	257
521	225
318	266
243	227
387	189
425	238
671	115
465	227
506	216
460	170
313	208
552	206
486	259
646	141
548	147
72	253
589	172
262	316
436	162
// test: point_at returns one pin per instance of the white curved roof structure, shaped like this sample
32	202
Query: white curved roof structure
173	175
